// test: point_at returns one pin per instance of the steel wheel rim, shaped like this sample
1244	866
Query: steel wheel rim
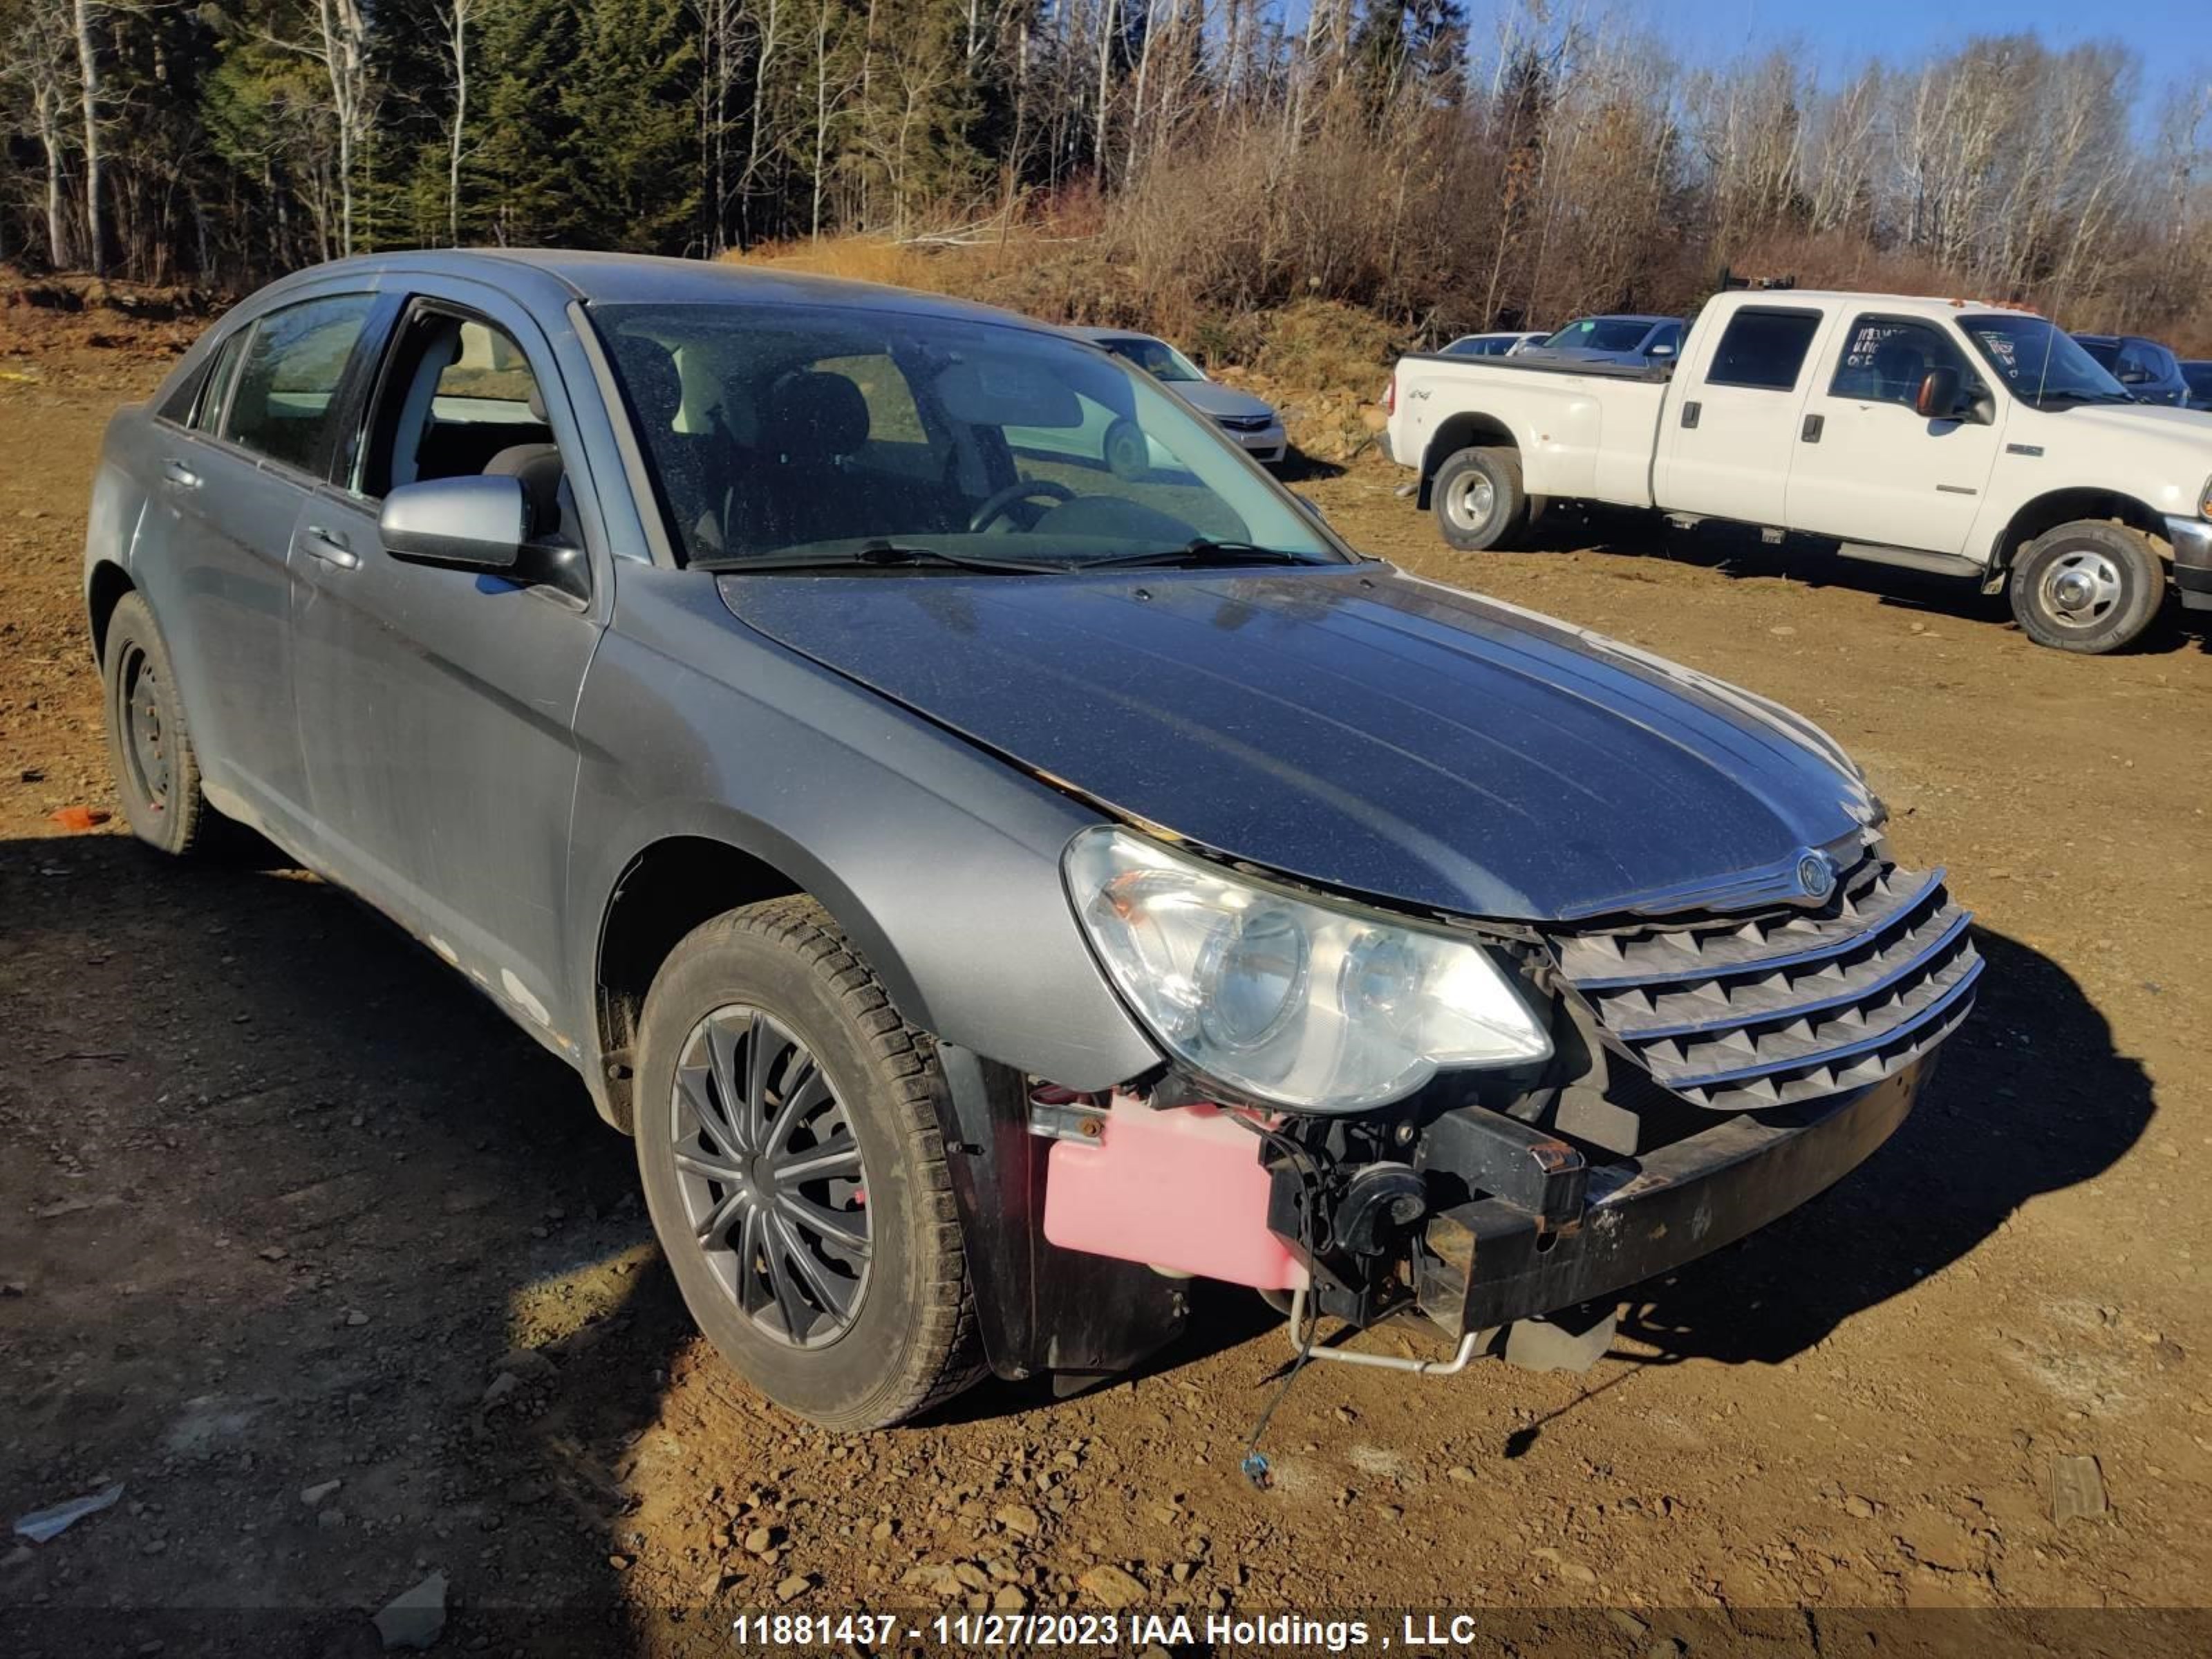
2080	588
1470	501
771	1178
138	707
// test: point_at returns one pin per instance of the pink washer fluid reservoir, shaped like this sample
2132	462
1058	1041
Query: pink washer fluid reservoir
1182	1190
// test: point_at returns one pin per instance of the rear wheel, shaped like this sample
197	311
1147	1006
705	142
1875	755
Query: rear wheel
789	1143
2091	586
157	775
1478	500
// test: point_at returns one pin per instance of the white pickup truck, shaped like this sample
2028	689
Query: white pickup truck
1967	439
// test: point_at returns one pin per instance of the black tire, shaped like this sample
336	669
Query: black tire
1479	500
908	1340
2091	586
149	750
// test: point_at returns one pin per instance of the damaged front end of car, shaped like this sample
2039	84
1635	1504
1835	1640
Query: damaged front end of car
1497	1128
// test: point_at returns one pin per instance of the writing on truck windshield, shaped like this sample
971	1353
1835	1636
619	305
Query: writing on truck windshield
2041	364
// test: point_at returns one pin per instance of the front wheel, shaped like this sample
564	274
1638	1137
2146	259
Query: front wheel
789	1143
2090	586
1478	500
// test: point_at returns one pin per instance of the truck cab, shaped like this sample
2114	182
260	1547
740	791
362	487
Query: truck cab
1961	438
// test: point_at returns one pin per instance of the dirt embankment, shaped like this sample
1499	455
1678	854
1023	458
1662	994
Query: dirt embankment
282	1208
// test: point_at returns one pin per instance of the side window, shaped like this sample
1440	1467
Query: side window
1886	358
213	388
458	396
1763	349
290	374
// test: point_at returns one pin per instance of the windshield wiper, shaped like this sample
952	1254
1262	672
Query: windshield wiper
1206	550
877	555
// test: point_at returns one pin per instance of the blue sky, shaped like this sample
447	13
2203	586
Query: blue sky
2170	37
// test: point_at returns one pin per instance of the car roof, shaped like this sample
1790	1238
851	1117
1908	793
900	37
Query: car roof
1621	317
553	275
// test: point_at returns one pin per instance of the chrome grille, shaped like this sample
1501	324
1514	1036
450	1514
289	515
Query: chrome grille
1737	1012
1248	422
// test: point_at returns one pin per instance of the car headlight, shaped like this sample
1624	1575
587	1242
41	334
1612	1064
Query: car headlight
2204	501
1296	1004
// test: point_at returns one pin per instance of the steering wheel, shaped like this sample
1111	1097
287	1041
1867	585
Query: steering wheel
993	507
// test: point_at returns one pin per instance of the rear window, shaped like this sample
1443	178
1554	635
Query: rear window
294	361
1764	349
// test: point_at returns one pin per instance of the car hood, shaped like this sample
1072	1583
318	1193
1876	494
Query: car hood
1354	727
1220	401
2159	453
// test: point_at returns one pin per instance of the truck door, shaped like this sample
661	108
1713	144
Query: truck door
1731	429
1869	468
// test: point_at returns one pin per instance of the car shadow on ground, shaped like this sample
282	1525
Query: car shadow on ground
280	1194
1736	550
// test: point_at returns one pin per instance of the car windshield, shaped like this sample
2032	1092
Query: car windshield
1156	357
2041	363
1603	334
802	434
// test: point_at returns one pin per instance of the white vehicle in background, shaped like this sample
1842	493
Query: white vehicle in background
1491	345
1969	439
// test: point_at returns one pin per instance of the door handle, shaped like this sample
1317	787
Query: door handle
1811	432
176	472
330	549
1689	414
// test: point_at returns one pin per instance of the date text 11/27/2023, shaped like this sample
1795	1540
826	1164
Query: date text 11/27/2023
808	1632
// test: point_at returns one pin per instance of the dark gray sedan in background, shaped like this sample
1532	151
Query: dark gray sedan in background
999	853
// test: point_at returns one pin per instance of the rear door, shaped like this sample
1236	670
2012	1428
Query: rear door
231	485
1731	431
436	706
1868	467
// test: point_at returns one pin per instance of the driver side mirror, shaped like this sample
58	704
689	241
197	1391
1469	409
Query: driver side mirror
2134	377
472	523
1938	398
1663	349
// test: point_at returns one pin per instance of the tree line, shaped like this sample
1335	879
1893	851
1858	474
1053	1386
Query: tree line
1226	157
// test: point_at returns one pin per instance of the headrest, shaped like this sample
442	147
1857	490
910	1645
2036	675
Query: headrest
655	388
816	412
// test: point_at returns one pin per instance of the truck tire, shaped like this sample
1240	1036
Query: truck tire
788	1144
2091	586
1478	499
149	750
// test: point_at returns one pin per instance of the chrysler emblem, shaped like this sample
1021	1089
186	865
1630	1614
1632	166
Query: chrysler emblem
1816	875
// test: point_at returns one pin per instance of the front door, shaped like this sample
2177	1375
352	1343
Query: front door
1732	425
436	706
1869	468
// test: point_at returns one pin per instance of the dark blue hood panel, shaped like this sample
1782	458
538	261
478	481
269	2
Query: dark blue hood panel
1354	725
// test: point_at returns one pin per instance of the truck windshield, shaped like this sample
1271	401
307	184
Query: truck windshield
1603	333
838	435
2041	364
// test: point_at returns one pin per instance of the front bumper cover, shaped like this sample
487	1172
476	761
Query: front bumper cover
1489	1261
2191	539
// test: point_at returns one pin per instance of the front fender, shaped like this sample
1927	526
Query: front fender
940	862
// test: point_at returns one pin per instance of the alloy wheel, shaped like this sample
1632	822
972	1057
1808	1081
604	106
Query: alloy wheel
771	1176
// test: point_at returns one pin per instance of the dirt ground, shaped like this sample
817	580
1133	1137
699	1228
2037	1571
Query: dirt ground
282	1203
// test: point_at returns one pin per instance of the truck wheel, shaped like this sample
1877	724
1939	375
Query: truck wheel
1479	502
789	1144
2090	586
148	750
